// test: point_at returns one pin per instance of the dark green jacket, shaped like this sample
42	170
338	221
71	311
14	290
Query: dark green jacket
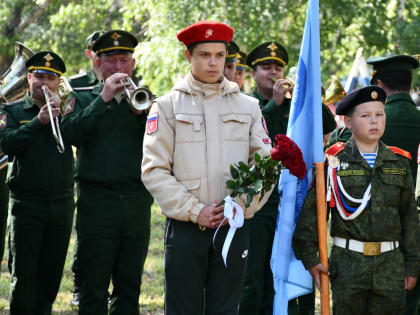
84	80
403	126
390	215
109	138
341	134
38	170
277	118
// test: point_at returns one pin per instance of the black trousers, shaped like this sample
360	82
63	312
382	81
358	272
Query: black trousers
4	201
39	237
196	278
113	232
258	294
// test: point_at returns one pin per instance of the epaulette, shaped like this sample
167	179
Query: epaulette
335	149
399	151
85	88
77	76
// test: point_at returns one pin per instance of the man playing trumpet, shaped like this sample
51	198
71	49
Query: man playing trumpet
113	208
41	189
268	62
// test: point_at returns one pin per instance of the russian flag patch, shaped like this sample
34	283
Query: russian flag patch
152	123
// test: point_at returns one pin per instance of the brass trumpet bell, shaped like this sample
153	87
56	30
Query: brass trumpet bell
14	83
335	92
140	98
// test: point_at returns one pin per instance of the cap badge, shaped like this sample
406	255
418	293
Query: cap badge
48	58
272	47
209	33
374	95
115	37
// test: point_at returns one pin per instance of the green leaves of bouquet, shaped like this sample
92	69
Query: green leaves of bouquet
253	179
259	176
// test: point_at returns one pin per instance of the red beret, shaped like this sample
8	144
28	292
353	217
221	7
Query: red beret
205	31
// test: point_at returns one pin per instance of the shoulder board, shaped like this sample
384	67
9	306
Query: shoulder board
77	76
402	152
335	149
14	102
85	88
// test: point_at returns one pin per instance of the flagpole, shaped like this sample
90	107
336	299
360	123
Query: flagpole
322	235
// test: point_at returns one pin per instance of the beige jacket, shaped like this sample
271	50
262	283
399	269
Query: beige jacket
202	129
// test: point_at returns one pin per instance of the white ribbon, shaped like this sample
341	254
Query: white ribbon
363	201
236	220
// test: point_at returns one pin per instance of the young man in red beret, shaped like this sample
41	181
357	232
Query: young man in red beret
193	134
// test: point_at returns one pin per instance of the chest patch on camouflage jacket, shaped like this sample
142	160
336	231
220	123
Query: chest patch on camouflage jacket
351	172
394	171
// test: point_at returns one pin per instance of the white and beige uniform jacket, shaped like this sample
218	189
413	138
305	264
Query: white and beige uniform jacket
202	129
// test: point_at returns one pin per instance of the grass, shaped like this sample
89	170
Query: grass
152	295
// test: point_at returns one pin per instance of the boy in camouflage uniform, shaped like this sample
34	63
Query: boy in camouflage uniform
374	224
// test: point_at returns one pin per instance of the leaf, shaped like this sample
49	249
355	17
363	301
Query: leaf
230	184
243	167
258	185
234	172
257	157
249	200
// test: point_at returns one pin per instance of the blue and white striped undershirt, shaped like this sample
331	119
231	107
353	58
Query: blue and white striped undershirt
370	158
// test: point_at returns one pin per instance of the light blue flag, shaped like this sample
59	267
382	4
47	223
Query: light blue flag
305	128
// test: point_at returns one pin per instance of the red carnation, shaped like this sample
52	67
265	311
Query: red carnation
288	153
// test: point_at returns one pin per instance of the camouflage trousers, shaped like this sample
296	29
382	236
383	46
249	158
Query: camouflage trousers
367	284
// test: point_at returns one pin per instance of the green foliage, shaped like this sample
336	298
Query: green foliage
253	179
381	27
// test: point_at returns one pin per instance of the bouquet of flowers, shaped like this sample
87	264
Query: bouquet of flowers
261	175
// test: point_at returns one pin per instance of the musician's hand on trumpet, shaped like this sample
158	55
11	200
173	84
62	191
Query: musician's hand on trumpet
283	88
52	108
44	116
113	85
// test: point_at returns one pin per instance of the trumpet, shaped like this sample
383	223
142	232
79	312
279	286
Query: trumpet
55	126
140	98
288	84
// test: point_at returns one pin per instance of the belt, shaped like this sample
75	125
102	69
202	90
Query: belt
366	248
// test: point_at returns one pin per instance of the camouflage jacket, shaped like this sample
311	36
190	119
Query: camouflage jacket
389	216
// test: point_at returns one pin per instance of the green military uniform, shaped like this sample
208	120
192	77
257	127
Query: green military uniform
258	293
358	280
402	117
403	126
41	200
402	129
113	219
4	199
84	80
374	222
81	81
341	134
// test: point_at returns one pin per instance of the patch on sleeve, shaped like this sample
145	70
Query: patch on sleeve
267	140
3	121
69	106
264	124
152	123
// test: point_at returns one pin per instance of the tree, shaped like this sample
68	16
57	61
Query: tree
379	26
